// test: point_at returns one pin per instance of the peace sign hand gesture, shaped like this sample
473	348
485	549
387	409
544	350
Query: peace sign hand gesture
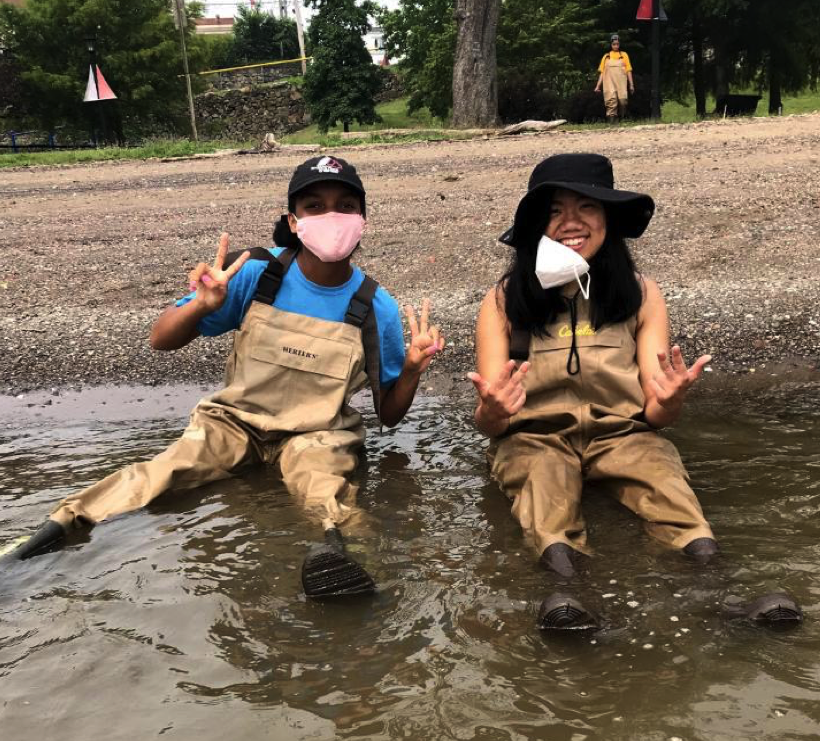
210	281
673	380
425	341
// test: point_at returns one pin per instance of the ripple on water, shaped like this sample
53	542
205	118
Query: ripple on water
194	606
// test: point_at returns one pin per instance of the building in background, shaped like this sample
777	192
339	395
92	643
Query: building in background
219	14
374	41
228	9
213	26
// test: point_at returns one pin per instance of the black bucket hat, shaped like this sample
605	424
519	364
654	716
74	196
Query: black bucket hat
321	170
587	174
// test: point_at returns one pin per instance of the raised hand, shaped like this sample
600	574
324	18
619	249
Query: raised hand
506	395
425	340
673	380
210	281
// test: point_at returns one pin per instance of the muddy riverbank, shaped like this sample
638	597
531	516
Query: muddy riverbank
93	253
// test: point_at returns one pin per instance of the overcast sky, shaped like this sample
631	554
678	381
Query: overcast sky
227	8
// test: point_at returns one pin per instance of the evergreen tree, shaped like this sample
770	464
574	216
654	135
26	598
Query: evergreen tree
137	50
262	37
558	39
342	81
554	47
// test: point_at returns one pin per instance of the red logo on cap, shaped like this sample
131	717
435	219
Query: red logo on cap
327	165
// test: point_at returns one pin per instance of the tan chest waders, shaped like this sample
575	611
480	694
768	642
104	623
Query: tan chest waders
615	83
286	402
583	423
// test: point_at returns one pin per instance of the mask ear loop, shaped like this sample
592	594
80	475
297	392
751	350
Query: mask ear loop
584	291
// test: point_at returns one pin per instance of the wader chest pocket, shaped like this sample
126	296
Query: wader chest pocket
301	352
547	344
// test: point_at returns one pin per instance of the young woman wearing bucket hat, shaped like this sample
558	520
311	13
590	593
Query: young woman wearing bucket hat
311	330
575	376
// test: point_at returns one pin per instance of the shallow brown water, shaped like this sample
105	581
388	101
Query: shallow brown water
186	620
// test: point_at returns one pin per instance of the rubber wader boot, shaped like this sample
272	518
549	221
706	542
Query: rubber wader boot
776	610
46	538
561	559
562	611
329	572
701	549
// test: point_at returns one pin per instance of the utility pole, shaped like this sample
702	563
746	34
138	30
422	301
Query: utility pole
300	32
656	59
181	22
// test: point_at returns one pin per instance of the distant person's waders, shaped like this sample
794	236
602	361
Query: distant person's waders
583	423
288	385
615	87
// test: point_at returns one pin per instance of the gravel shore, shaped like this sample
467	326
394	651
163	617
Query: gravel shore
93	253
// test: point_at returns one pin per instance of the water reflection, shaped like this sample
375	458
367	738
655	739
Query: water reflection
193	607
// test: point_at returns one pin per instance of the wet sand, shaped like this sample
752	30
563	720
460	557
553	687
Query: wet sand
94	253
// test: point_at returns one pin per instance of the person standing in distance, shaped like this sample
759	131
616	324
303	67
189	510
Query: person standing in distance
615	76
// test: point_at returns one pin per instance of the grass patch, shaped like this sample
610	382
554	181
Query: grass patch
422	135
394	116
674	112
160	148
806	102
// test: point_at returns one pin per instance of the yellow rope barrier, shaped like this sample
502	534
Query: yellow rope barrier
252	66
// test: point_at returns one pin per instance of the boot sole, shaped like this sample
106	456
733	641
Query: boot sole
326	574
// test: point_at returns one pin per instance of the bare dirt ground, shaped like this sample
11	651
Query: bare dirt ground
93	253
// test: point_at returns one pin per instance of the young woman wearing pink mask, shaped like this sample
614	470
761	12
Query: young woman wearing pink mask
311	330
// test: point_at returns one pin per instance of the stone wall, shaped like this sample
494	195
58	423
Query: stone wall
256	76
276	108
250	113
392	86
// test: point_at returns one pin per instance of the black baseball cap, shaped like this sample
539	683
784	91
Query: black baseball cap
322	170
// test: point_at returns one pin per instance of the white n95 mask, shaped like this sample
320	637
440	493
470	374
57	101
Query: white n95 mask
556	265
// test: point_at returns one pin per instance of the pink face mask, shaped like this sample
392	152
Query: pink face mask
331	236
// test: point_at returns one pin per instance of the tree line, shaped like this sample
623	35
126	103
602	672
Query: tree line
466	56
474	60
44	59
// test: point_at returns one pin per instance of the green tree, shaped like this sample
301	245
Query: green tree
342	81
262	37
555	46
742	43
779	46
548	34
215	50
421	34
137	51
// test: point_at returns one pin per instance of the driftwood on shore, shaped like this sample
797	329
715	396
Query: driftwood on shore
519	128
531	126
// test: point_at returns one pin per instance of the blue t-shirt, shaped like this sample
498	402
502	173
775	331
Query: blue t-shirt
299	295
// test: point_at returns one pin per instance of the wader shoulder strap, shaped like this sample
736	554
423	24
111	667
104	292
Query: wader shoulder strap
360	314
271	280
519	344
257	253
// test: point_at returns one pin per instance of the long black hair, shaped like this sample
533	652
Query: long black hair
615	292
